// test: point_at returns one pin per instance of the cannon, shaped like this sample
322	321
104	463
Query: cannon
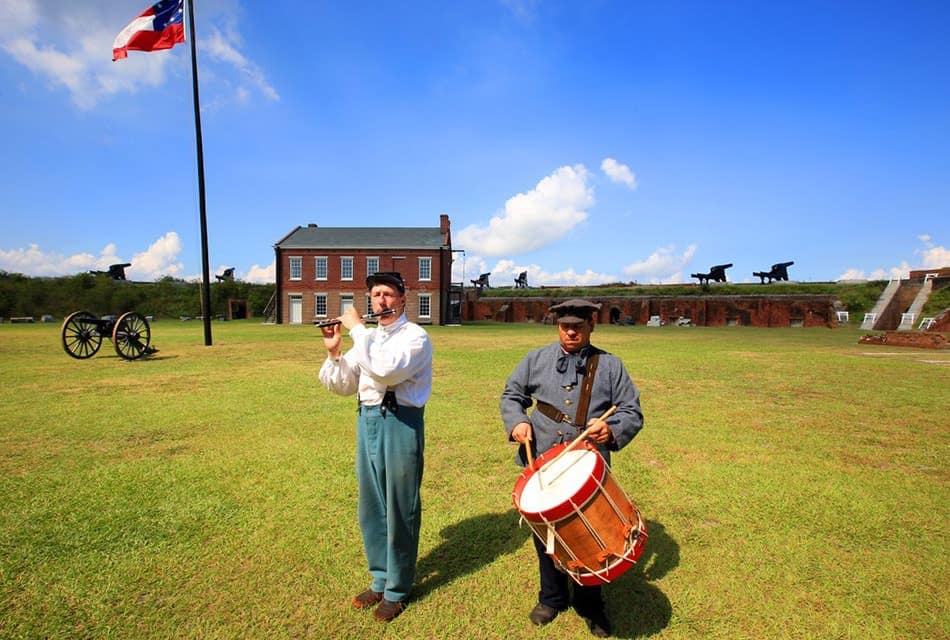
521	282
482	282
779	271
130	334
716	273
116	271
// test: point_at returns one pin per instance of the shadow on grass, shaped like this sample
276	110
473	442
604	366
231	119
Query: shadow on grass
468	546
638	608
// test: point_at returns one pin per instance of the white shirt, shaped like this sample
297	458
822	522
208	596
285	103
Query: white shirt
397	356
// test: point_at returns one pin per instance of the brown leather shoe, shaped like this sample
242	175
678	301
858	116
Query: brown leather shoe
366	599
388	610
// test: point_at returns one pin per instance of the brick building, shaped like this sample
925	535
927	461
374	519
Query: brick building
321	271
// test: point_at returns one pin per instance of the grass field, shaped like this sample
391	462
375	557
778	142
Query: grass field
795	485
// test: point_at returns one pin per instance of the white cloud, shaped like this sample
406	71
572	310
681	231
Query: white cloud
663	266
534	219
16	17
618	172
900	272
504	271
33	261
933	256
73	50
223	48
262	275
160	259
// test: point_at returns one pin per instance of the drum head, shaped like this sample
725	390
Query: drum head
550	489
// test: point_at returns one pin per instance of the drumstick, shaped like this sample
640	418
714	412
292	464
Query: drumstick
527	450
609	412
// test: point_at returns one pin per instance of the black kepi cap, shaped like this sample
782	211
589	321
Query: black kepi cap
575	310
390	278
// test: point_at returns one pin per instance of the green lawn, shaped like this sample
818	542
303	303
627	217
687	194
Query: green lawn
795	485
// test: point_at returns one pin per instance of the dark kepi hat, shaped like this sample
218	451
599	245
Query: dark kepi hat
390	278
575	310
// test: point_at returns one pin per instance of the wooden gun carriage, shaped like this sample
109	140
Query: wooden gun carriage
130	334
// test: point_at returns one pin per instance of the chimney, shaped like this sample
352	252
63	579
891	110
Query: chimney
312	225
444	225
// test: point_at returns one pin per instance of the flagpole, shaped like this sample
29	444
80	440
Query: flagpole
205	272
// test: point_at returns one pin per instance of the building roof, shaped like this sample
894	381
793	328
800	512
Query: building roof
315	237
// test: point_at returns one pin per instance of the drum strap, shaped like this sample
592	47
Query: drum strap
583	402
587	386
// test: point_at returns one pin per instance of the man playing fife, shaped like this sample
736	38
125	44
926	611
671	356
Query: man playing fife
390	367
553	376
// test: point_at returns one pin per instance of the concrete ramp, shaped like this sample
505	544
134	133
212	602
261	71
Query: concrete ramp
917	305
871	318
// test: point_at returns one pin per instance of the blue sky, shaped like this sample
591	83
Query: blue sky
584	142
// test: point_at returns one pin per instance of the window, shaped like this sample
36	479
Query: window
346	268
320	268
296	267
372	265
369	303
425	268
425	305
320	305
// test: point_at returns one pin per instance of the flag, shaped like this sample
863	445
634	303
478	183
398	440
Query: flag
161	26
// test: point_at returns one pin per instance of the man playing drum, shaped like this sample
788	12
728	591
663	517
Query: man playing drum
553	377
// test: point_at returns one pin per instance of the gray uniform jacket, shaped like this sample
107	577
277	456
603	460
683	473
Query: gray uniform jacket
536	378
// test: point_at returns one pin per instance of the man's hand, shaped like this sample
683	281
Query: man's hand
332	337
599	431
351	318
522	433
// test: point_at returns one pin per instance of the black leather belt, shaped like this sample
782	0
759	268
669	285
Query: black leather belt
553	413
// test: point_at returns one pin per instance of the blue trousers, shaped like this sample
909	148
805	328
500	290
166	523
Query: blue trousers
389	461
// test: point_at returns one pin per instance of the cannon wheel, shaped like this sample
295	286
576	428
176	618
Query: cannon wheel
131	336
81	337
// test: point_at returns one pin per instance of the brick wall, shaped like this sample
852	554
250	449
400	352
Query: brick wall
406	262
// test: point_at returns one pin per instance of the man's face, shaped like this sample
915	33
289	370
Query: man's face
383	297
574	335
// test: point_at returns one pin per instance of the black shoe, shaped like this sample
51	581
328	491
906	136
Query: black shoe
542	614
597	622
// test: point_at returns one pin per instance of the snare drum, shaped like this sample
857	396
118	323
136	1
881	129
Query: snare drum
592	530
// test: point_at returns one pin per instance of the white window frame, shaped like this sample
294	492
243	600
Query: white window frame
370	270
425	260
316	305
346	260
369	303
425	306
317	261
292	260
